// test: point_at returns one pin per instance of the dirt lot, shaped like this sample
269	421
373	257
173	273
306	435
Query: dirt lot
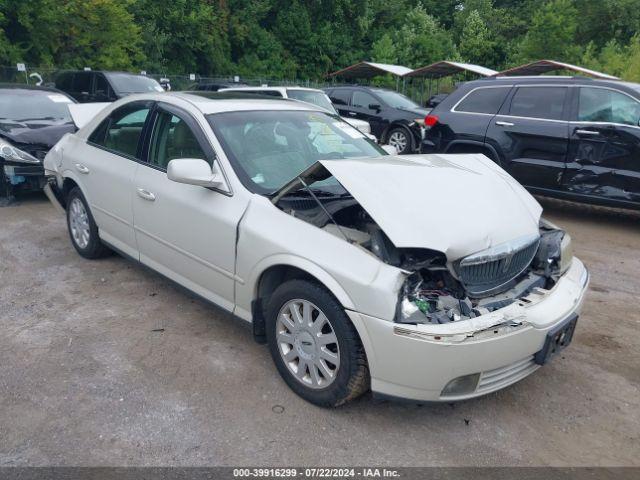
107	363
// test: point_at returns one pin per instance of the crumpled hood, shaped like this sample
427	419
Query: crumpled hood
35	132
456	204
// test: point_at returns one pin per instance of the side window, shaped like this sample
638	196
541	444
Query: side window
484	100
603	105
340	97
271	93
121	131
63	82
82	82
363	100
538	102
102	86
172	138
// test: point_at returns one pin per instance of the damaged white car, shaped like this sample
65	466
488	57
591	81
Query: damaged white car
427	277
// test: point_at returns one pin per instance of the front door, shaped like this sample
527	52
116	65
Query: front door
532	132
185	232
604	156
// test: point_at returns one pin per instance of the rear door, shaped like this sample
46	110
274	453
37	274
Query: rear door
604	154
361	103
532	132
468	120
106	165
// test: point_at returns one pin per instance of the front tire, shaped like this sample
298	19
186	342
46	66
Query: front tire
314	345
82	227
400	138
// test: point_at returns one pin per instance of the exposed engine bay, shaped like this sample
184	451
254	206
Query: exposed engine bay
433	291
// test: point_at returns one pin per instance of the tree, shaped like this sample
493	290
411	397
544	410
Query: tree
552	33
421	40
476	45
384	50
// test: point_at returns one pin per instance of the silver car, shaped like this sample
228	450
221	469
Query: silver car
425	277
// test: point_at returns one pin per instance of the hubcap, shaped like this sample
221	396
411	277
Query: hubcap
307	343
79	223
398	140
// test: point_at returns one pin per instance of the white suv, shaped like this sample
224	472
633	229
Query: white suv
427	277
309	95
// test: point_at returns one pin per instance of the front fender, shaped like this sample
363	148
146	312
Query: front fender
303	264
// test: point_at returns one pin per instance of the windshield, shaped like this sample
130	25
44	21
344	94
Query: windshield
270	148
127	83
315	98
396	100
23	104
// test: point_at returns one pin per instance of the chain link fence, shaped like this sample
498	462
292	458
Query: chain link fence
417	89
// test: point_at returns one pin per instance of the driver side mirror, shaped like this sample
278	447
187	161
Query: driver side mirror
374	106
195	171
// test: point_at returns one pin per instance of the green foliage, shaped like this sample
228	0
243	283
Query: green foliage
309	38
552	32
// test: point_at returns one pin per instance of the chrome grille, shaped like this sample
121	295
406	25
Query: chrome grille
487	272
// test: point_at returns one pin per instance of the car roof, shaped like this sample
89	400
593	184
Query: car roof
208	104
279	88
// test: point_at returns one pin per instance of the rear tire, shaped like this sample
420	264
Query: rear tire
83	230
317	350
402	139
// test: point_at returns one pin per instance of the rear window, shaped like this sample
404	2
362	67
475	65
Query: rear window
483	100
538	102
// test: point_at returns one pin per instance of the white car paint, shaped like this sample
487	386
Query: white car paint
420	180
82	113
361	125
218	243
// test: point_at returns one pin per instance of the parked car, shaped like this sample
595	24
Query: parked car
32	120
309	95
394	118
342	266
95	86
564	137
214	86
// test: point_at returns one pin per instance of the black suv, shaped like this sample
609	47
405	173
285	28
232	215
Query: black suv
566	137
93	86
394	118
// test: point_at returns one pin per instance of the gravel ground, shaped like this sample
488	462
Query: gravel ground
107	363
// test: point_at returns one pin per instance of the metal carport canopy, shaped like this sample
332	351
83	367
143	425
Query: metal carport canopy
370	69
544	66
446	68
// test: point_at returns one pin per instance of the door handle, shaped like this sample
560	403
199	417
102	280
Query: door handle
593	133
81	168
146	194
353	114
504	124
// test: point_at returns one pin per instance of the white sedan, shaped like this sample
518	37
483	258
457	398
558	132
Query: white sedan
426	277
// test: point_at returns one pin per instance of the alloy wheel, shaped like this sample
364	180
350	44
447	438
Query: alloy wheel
307	343
79	223
399	140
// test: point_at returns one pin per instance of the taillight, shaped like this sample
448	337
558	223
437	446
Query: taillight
430	120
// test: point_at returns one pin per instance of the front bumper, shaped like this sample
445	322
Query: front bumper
416	362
